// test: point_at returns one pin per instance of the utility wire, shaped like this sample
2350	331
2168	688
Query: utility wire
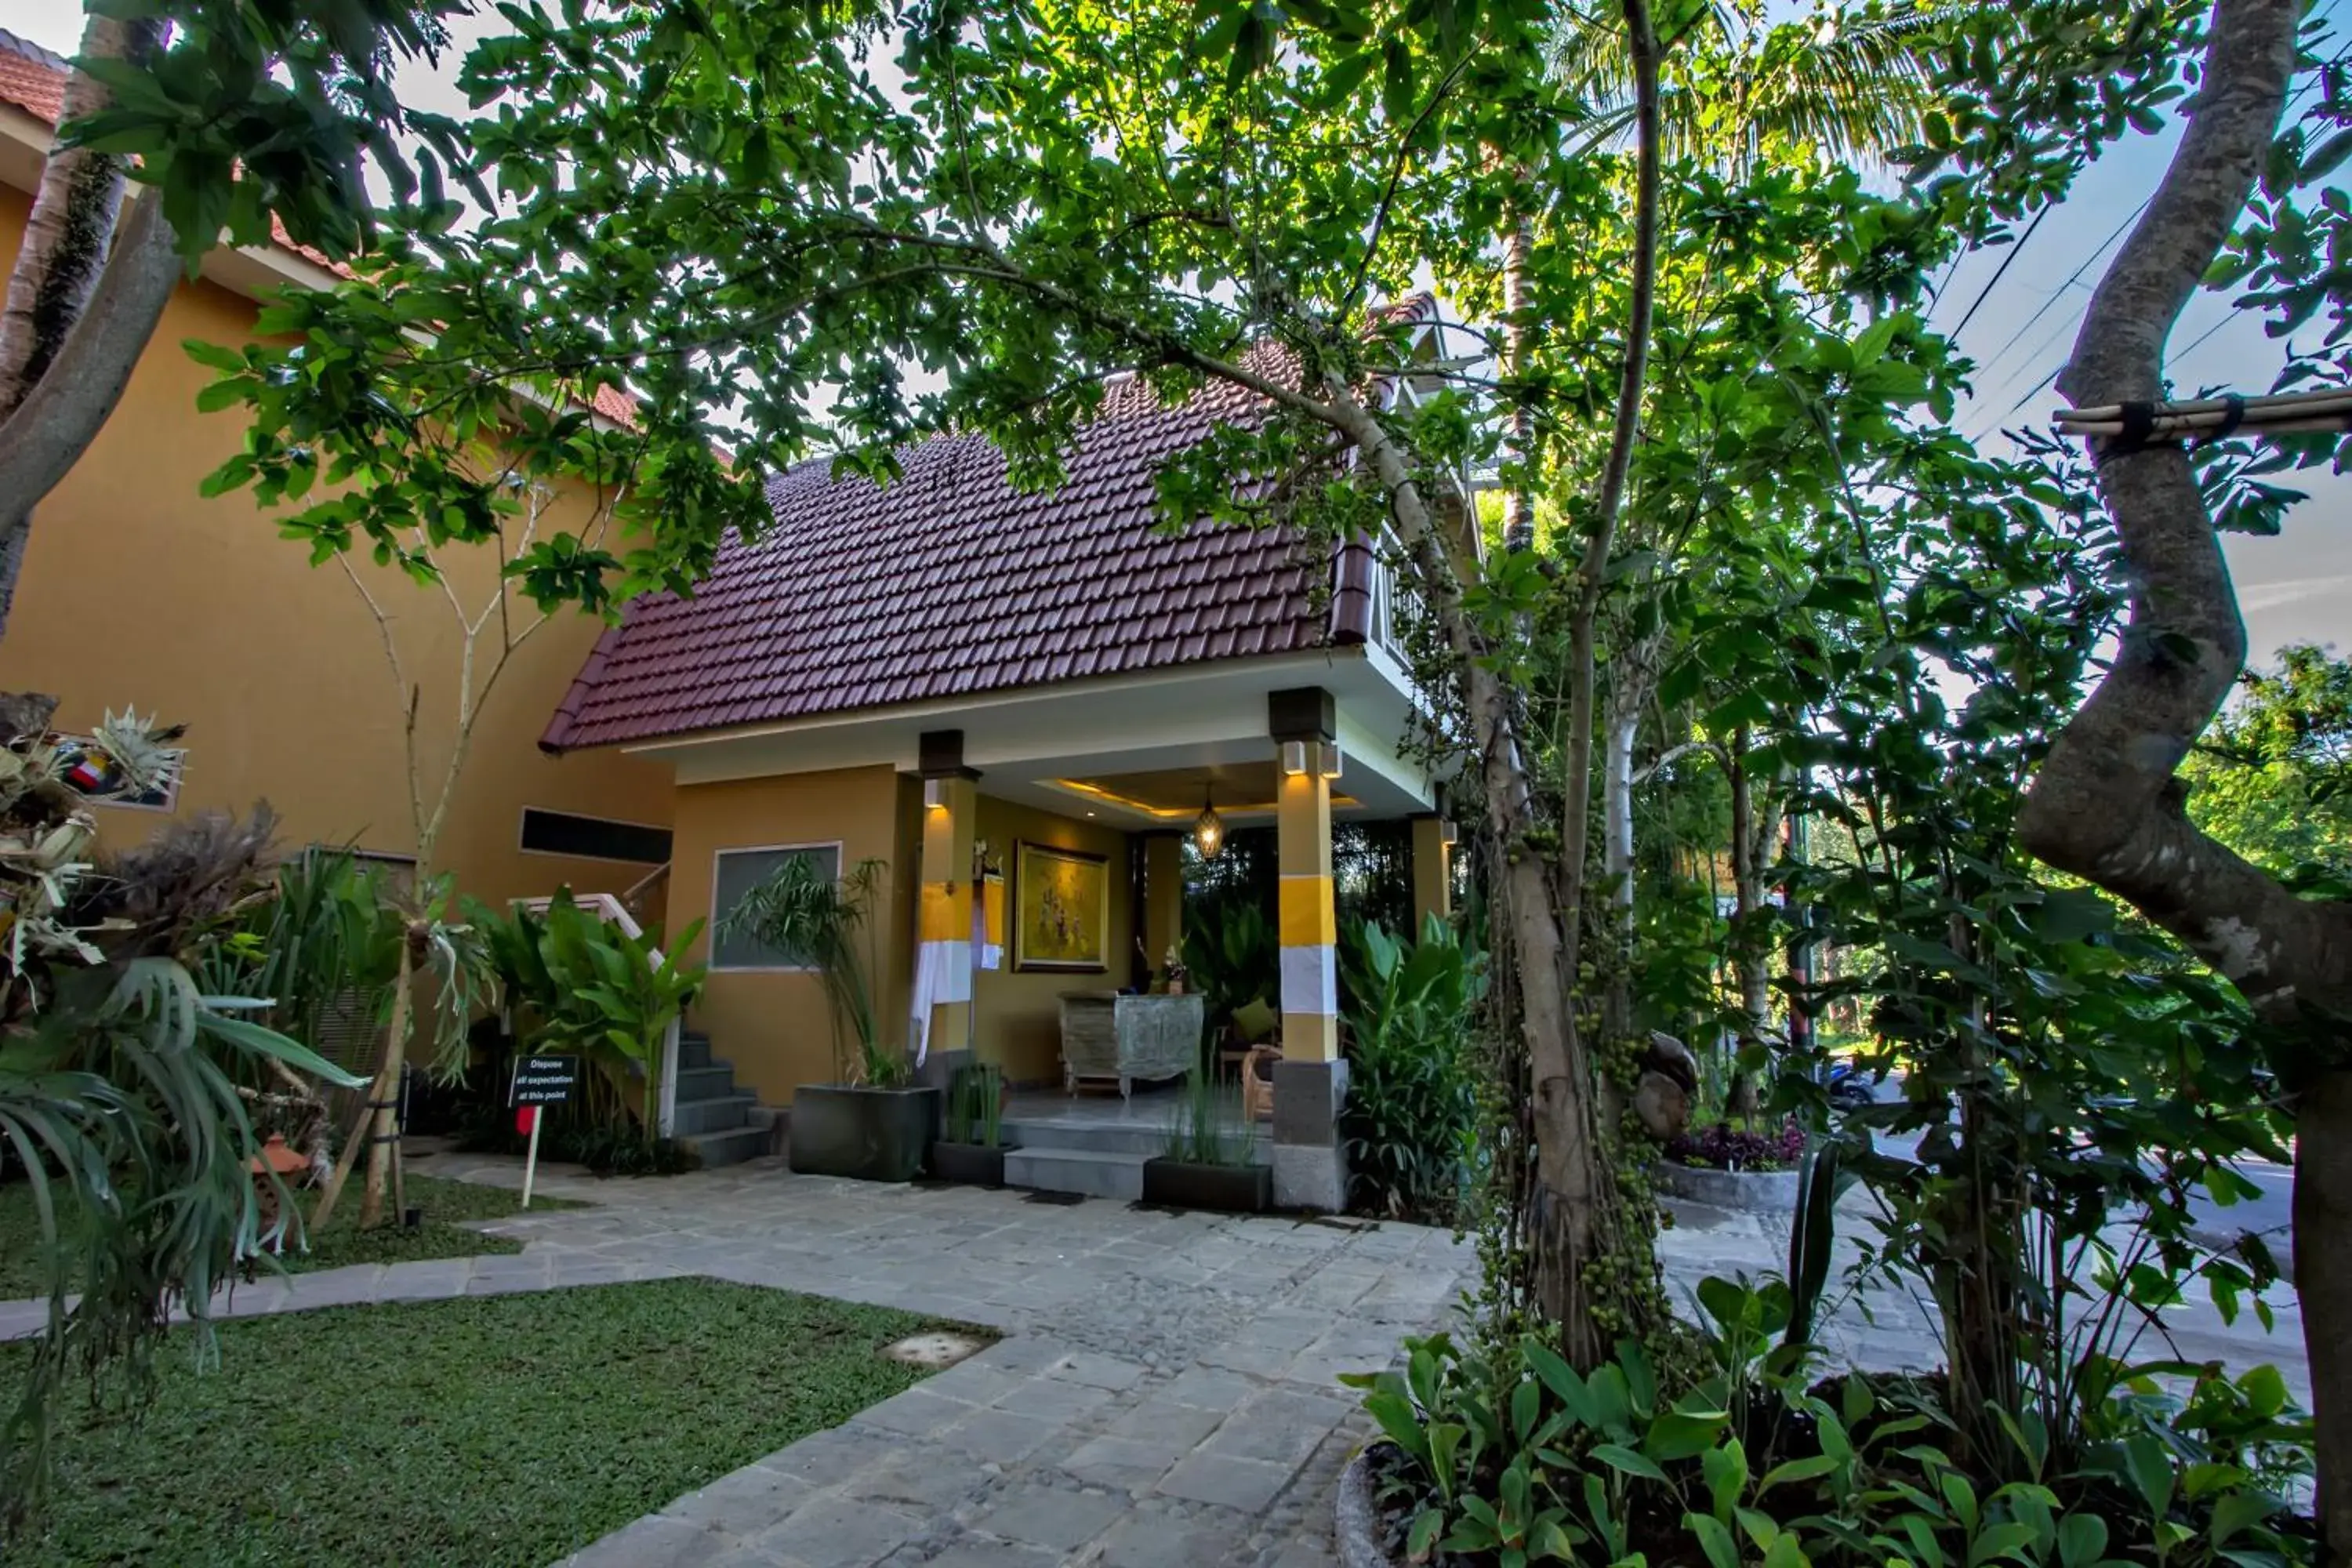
2001	271
2075	318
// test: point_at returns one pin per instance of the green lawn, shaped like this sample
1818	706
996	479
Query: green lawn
505	1429
444	1202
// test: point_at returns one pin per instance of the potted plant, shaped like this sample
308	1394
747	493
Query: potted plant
1211	1163
972	1151
873	1123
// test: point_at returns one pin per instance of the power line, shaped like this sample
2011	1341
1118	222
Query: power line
2071	278
2001	271
2075	320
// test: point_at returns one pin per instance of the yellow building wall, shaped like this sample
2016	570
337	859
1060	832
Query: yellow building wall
1017	1018
138	592
777	1030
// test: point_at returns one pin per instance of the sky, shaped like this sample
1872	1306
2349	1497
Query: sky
2296	587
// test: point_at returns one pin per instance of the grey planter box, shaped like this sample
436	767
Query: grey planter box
868	1134
1754	1192
969	1164
1230	1189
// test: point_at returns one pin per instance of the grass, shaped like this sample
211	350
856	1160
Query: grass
481	1431
342	1242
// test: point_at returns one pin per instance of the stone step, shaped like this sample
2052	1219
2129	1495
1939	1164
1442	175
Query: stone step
1093	1137
723	1115
715	1080
731	1147
1143	1138
1097	1173
693	1050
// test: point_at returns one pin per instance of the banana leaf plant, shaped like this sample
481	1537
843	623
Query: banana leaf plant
614	995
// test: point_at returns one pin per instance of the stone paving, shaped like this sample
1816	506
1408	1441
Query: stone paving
1165	1392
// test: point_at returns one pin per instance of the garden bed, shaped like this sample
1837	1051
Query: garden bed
501	1430
444	1203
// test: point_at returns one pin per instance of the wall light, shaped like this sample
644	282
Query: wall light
1332	760
935	794
1294	758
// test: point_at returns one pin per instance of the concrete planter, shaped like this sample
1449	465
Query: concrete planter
1229	1189
1356	1527
866	1134
1756	1192
969	1164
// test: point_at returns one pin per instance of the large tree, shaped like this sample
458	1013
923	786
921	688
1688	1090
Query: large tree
2108	804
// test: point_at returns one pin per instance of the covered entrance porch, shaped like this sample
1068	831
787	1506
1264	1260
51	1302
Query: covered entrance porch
1034	845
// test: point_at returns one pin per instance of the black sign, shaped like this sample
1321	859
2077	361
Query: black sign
544	1081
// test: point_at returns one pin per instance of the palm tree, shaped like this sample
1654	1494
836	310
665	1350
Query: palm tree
1847	85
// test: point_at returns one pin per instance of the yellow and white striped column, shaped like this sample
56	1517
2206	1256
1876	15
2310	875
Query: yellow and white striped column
943	954
1310	924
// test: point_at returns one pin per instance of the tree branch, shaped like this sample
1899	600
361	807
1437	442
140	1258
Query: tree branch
1593	570
2108	804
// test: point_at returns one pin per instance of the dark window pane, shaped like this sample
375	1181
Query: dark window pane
740	871
592	837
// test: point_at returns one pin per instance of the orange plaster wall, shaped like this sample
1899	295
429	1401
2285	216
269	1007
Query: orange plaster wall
138	592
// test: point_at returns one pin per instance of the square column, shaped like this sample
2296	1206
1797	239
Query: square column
1309	923
1163	897
943	955
1433	871
1310	1083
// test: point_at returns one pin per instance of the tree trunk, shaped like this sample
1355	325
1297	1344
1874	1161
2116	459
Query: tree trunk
2108	804
1519	436
82	304
1571	1221
1629	691
1751	836
2323	1283
383	1144
369	1124
71	224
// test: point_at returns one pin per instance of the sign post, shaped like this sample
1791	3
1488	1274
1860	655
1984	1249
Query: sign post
539	1082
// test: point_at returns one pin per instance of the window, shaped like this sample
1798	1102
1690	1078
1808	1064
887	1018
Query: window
592	837
736	873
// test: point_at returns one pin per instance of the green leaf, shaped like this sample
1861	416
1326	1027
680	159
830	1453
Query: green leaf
214	356
2082	1539
1426	1525
1625	1461
1722	1551
1811	1468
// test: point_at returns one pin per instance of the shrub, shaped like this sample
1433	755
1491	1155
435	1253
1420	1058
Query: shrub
1411	1102
1512	1457
1724	1147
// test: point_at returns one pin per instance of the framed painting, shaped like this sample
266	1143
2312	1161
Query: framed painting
1062	902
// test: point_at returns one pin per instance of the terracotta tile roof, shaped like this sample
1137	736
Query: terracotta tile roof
949	582
31	78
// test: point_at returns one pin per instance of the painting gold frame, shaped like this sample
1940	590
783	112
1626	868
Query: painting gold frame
1061	921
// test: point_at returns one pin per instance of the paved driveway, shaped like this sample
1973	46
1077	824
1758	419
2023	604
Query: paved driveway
1165	1393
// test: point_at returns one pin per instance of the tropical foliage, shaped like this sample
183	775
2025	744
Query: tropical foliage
831	924
1410	1125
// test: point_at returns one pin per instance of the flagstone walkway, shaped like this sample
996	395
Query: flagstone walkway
1165	1392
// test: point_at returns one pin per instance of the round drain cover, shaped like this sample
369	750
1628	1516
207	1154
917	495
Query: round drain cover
935	1350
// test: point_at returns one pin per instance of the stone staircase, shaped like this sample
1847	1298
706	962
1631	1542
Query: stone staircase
1098	1155
718	1121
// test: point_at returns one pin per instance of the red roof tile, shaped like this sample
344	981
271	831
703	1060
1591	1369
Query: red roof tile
949	582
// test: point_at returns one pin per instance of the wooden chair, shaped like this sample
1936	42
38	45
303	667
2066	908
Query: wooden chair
1257	1083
